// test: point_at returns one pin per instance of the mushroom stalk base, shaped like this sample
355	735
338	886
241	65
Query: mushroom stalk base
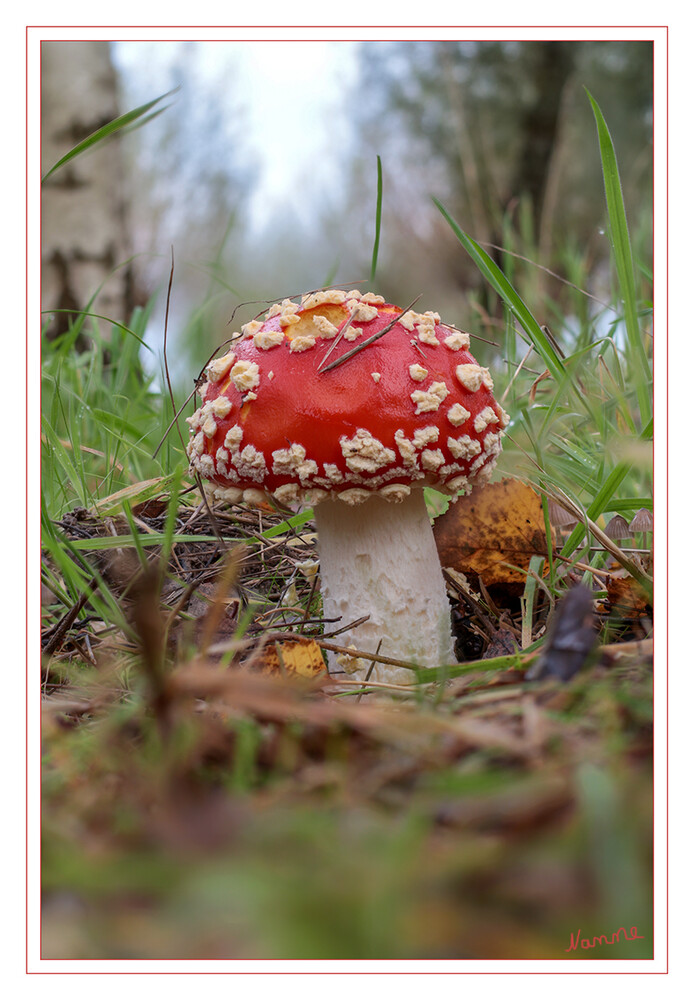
380	559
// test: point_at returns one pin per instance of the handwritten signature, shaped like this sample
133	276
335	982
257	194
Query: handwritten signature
599	939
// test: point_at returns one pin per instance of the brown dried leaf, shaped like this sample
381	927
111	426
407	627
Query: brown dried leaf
626	597
497	523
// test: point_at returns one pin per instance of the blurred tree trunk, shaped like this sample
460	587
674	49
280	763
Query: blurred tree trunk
551	66
83	209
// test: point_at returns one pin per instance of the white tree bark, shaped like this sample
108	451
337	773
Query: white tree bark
84	217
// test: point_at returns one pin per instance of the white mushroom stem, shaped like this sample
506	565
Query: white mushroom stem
380	559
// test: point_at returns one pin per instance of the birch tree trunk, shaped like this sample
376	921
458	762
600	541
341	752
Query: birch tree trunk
84	217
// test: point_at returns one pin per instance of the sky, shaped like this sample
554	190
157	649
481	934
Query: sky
282	101
289	93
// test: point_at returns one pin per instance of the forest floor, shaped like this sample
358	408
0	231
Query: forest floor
212	792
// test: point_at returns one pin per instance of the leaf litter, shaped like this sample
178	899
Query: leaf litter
210	791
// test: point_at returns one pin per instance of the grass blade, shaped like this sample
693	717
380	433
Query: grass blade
619	236
379	205
600	503
172	510
114	322
107	130
60	455
502	286
135	534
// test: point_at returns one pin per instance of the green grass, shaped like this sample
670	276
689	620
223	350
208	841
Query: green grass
102	416
379	209
585	430
128	121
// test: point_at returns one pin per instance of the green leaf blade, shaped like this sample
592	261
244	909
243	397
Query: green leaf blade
502	286
379	207
107	130
624	263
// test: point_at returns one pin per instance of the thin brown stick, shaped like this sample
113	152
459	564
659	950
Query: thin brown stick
369	672
307	613
347	682
342	332
180	604
547	270
359	654
174	420
59	631
345	628
515	374
213	520
584	567
642	647
369	340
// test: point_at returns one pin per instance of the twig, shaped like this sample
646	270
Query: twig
225	582
213	520
541	267
638	646
369	340
180	604
489	626
59	631
358	654
174	419
345	628
584	567
343	331
515	374
369	672
408	688
306	618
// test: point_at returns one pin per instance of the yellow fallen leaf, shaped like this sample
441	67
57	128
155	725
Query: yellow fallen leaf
303	658
496	525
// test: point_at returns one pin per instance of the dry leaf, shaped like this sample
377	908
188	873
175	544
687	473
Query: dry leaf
498	523
626	597
304	659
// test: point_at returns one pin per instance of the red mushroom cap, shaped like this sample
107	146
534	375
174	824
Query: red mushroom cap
280	417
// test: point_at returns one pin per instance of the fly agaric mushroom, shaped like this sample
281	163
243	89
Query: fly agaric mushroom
352	405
